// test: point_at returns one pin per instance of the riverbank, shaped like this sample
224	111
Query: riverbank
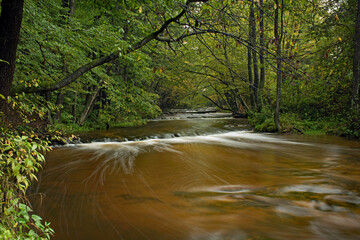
290	123
348	126
69	132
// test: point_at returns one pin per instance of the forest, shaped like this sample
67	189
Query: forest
289	66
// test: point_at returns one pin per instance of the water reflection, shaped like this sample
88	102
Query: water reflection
227	183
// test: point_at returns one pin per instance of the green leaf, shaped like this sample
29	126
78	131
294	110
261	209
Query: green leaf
36	218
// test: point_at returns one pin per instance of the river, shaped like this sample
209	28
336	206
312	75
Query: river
205	179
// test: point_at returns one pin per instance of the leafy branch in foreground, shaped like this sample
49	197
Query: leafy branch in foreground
21	156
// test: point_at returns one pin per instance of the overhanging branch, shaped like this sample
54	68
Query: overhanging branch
106	59
222	108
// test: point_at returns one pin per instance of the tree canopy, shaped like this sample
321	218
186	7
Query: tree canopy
106	62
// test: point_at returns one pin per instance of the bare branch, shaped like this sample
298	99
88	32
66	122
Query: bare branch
216	103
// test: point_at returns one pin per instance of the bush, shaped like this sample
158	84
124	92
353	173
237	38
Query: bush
289	122
346	126
20	158
263	121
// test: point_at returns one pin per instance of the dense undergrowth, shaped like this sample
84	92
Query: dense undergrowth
70	129
345	125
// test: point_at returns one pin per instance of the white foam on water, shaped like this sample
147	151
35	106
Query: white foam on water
319	189
232	139
121	155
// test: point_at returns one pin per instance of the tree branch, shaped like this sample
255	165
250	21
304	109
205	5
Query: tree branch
106	59
222	108
171	40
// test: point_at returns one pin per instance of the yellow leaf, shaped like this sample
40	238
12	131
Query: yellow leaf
336	17
140	10
7	213
340	39
292	44
138	58
275	6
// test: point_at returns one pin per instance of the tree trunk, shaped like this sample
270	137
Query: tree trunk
49	117
89	105
261	53
59	102
356	62
74	107
250	65
69	4
60	98
254	54
125	73
10	22
241	99
231	100
72	7
278	39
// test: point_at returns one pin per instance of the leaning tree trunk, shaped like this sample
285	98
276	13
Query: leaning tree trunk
60	100
10	22
356	62
241	99
89	105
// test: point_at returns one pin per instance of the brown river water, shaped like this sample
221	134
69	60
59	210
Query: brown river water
201	179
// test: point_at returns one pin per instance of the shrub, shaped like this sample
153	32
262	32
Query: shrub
263	121
20	158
